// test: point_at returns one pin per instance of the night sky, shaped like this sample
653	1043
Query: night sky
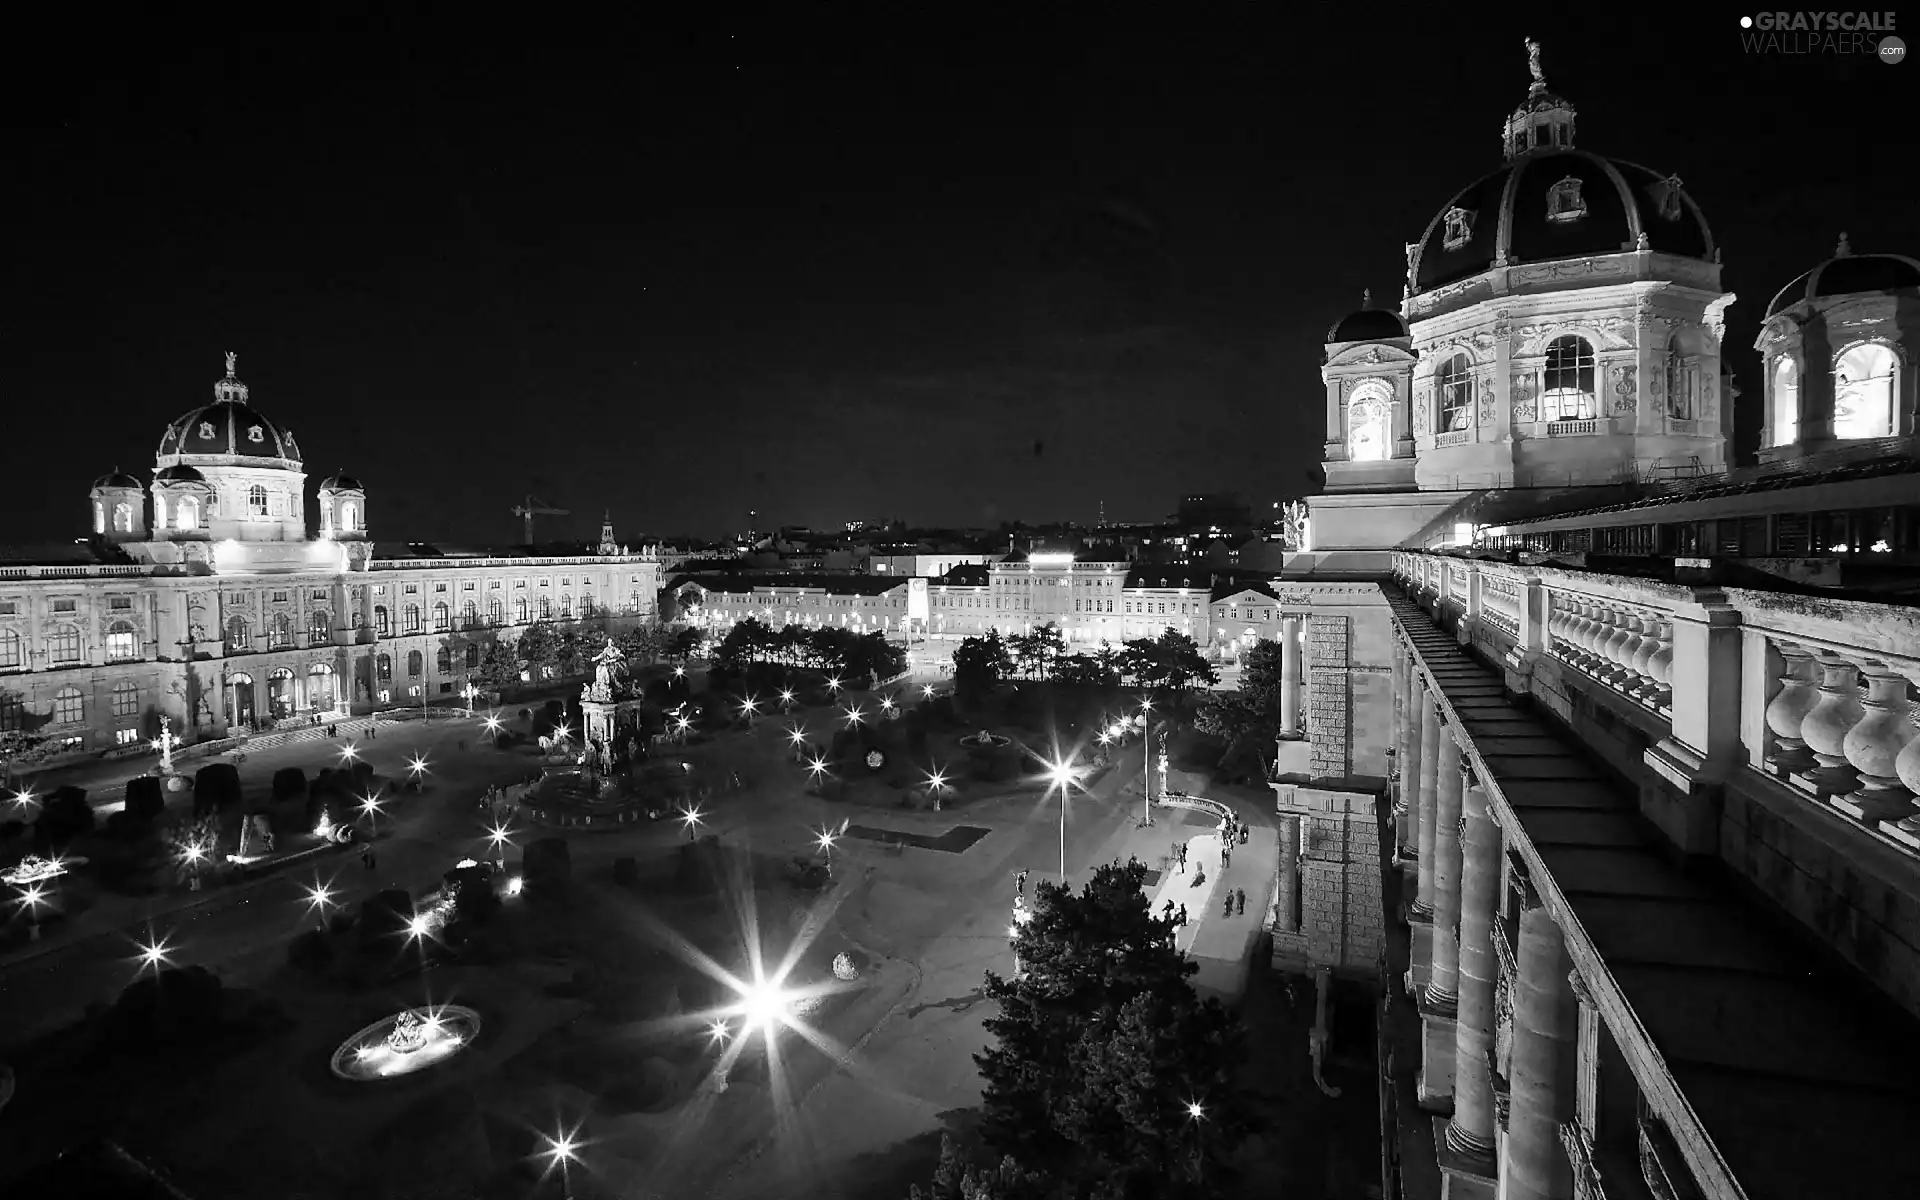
956	277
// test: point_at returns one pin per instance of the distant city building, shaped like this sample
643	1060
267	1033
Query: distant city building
202	599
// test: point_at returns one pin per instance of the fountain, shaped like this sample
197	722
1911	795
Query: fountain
985	741
410	1040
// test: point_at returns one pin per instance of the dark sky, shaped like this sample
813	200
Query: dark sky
955	276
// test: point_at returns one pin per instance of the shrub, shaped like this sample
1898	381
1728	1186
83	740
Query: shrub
145	799
310	953
289	783
65	816
216	788
10	830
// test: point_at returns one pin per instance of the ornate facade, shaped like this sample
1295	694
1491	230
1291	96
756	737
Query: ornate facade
202	599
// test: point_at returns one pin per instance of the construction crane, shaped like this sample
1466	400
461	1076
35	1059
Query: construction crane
536	507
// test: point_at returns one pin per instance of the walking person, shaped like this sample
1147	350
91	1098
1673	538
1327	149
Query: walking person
1166	913
1229	908
1244	832
1182	921
1240	900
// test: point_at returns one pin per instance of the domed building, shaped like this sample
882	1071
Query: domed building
222	615
1560	327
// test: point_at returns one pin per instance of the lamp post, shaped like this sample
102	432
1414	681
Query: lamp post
1146	753
471	692
1061	773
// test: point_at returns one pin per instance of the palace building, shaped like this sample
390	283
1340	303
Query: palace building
203	598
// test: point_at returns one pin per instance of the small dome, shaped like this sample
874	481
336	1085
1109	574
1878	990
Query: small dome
1367	324
1847	273
116	478
340	481
179	473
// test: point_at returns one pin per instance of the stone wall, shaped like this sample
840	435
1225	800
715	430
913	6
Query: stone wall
1855	893
1341	920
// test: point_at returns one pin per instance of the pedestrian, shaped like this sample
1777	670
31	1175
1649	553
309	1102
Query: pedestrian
1167	912
366	856
1020	883
1229	911
1244	832
1199	876
1240	899
1183	916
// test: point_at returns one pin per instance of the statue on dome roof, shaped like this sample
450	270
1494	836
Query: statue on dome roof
1533	64
232	361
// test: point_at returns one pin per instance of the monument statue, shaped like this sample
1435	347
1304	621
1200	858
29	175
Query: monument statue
607	666
1533	63
232	360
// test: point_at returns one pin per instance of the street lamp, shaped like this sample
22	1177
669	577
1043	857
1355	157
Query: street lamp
1196	1114
1060	775
926	690
471	692
501	837
561	1152
825	841
348	753
319	897
748	708
1146	753
493	729
786	697
854	716
153	953
691	818
833	685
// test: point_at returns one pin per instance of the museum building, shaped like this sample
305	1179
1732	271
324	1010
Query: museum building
203	598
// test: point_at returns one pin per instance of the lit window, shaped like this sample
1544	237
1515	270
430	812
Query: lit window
237	639
442	619
125	737
257	500
122	642
320	626
383	667
1369	428
1785	402
123	517
186	513
1680	382
1863	391
413	618
349	517
380	624
1456	396
281	632
10	649
1569	394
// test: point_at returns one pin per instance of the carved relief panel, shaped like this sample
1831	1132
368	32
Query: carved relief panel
1622	382
1525	391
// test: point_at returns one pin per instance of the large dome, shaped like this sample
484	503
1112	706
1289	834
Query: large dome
1847	273
230	427
1555	203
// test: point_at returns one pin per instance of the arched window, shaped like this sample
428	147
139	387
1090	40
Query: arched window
1369	429
159	511
12	655
319	626
1682	373
69	706
381	625
443	661
520	611
1863	392
349	517
546	607
383	668
469	615
63	644
238	641
442	620
99	517
473	656
413	618
123	517
186	513
1456	396
496	611
13	713
125	698
1569	382
1785	403
566	608
122	642
414	663
280	633
257	500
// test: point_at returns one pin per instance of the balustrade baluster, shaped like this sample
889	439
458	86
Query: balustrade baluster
1907	767
1787	711
1874	745
1825	729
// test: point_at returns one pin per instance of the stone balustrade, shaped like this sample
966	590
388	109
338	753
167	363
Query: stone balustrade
1821	695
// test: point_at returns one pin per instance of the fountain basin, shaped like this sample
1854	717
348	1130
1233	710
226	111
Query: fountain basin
411	1040
985	741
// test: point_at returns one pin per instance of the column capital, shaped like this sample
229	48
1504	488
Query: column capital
1581	991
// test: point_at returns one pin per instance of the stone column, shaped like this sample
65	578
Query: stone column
1545	1019
1410	761
1402	705
1441	996
1430	736
1471	1130
1287	884
1290	677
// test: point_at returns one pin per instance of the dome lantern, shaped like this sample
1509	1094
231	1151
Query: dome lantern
1543	121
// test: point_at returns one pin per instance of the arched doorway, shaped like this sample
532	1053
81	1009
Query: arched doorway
320	694
240	700
280	697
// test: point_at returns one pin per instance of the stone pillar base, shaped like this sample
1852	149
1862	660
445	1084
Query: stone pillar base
1435	1085
1873	806
1463	1176
1420	960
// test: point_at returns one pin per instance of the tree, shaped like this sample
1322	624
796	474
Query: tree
1181	663
980	663
499	666
1036	651
1252	714
538	649
686	642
